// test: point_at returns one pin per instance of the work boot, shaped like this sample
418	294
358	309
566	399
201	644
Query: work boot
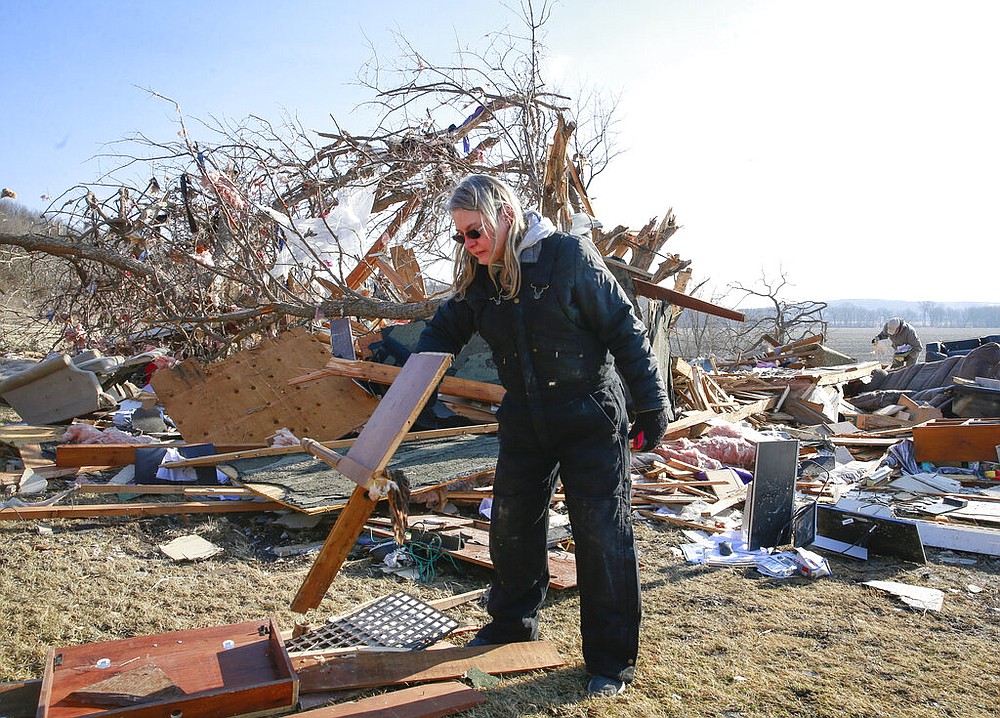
602	686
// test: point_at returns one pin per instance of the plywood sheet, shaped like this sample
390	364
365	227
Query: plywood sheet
246	398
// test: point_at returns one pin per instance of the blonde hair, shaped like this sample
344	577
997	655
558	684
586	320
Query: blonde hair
493	199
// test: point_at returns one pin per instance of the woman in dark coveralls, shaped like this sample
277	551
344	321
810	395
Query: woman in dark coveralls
558	323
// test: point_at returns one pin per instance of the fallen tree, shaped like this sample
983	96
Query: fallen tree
237	230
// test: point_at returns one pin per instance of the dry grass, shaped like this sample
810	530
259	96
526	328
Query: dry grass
716	642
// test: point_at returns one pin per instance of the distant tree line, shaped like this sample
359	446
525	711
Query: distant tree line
928	314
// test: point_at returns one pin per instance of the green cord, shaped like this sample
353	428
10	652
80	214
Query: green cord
425	555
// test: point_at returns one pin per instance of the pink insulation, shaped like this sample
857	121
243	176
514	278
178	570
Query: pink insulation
722	445
87	434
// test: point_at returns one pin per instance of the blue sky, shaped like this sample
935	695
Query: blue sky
854	145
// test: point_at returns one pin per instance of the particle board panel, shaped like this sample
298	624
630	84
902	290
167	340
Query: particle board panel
246	398
235	670
368	669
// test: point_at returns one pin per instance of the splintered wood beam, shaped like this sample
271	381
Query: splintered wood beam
335	549
370	454
655	291
365	268
443	604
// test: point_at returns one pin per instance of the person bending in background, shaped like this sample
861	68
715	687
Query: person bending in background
905	342
558	323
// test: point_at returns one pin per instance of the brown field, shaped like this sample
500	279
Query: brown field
857	342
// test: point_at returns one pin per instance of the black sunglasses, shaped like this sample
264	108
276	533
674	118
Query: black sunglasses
470	233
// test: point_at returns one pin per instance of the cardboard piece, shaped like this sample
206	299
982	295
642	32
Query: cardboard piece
189	548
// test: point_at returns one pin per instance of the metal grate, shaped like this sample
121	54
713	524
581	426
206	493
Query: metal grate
395	621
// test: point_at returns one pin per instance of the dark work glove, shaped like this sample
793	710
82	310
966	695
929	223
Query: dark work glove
651	425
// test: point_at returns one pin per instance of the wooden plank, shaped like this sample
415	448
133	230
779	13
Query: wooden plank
404	259
677	521
655	291
825	377
335	549
26	513
942	442
364	269
804	412
369	455
386	374
428	701
398	409
368	669
862	441
119	454
245	398
168	489
684	426
443	604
